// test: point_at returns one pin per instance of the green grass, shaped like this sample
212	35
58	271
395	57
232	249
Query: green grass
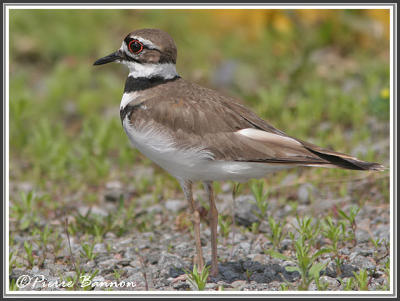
198	278
67	142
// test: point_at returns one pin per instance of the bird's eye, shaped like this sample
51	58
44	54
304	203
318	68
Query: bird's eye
135	46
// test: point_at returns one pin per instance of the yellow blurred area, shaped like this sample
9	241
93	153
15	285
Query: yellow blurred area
382	16
253	21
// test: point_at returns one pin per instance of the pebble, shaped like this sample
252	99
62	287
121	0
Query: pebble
363	262
305	192
244	210
99	248
238	284
114	192
175	205
362	236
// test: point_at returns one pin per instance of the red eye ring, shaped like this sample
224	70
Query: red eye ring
136	51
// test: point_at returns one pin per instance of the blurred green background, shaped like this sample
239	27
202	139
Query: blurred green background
319	75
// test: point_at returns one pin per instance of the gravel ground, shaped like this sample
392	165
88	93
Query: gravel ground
159	258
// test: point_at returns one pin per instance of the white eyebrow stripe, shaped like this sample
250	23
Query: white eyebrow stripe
145	42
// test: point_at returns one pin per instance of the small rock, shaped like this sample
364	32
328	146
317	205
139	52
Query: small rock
153	258
108	264
363	262
114	192
210	286
168	261
124	262
35	269
226	187
182	286
332	282
155	209
99	248
175	205
110	235
244	210
83	210
261	258
344	251
245	246
238	284
305	193
362	235
71	274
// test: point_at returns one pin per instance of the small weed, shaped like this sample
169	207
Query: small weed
277	234
87	251
305	260
13	285
29	253
12	261
117	274
257	188
225	226
361	279
248	275
347	285
308	229
351	219
23	211
284	287
334	232
254	227
196	278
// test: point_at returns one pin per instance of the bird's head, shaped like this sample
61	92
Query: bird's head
147	53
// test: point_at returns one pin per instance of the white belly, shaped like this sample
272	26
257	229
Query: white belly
192	164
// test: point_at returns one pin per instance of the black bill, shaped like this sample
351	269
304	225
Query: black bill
109	58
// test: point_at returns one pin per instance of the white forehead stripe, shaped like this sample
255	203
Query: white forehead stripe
267	137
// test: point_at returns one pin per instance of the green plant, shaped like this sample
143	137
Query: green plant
12	260
248	275
308	228
257	188
361	279
334	232
277	234
29	253
305	261
117	274
225	226
351	219
198	278
347	285
387	274
13	285
23	210
87	251
284	287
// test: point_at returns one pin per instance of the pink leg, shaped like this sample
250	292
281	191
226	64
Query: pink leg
213	216
187	190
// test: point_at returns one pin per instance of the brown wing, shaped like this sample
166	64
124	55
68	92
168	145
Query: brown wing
200	117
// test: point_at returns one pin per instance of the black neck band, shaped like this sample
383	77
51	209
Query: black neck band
133	84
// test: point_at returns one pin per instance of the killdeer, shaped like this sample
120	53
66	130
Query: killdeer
198	134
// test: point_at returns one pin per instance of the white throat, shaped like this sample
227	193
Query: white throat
166	71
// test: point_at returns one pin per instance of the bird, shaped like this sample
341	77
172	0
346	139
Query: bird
198	134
